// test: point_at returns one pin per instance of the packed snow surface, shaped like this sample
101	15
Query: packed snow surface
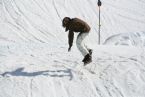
34	61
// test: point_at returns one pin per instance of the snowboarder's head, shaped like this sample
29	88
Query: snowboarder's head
65	21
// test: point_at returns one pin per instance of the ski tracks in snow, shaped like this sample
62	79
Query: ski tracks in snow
52	72
111	74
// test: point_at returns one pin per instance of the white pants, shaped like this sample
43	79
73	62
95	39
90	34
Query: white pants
81	45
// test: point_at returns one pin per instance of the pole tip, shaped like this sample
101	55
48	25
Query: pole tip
99	3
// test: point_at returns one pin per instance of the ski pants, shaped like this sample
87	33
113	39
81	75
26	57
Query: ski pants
81	45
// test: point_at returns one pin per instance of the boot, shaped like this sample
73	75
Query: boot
87	59
90	53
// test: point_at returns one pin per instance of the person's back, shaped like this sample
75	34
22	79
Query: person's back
78	25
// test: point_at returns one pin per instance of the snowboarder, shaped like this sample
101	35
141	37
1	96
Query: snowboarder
78	25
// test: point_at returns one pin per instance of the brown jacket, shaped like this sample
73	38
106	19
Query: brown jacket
75	25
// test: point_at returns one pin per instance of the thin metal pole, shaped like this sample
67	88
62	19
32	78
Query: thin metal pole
99	27
99	33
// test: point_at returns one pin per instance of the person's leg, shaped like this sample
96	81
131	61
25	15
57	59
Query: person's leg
80	44
89	49
82	48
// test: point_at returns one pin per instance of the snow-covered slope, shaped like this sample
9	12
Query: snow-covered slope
131	39
41	70
34	61
40	20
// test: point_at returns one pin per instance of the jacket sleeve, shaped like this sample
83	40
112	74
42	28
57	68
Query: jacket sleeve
70	38
66	29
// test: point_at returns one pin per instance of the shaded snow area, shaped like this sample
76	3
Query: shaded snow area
34	61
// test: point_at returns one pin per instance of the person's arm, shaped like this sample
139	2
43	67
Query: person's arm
66	29
70	39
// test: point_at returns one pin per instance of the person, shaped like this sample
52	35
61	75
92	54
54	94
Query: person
78	25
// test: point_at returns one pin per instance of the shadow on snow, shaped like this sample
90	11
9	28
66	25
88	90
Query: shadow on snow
51	73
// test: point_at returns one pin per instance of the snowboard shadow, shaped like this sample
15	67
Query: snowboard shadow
51	73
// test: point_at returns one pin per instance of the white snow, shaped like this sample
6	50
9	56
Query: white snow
34	61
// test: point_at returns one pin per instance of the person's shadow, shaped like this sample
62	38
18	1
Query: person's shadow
51	73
